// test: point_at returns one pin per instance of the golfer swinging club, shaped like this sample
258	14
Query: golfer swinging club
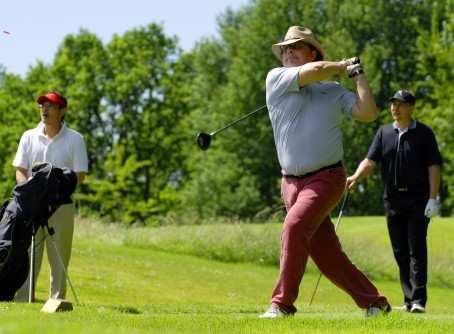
306	116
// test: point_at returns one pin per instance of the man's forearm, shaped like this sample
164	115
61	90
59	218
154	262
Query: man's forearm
434	180
21	175
366	106
364	169
320	70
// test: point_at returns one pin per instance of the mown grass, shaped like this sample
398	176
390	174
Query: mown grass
365	240
127	287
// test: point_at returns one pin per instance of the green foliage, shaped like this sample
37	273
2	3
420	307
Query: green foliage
436	69
117	196
139	102
220	191
18	113
145	121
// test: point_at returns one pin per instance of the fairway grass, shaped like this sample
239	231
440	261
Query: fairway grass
127	289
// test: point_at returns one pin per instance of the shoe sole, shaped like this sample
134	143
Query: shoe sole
401	309
417	311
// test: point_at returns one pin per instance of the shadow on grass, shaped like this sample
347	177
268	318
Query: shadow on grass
120	309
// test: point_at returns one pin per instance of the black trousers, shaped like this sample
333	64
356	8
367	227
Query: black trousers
407	229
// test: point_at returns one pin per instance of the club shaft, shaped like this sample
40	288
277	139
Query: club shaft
238	120
315	289
335	229
341	210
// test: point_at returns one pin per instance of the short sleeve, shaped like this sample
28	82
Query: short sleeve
21	159
347	100
280	81
432	153
376	148
80	158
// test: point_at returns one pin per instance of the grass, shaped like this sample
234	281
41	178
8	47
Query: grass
132	281
365	240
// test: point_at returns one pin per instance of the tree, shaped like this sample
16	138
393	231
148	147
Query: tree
81	71
142	112
19	112
435	67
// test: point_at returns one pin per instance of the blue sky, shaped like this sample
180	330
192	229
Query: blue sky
38	27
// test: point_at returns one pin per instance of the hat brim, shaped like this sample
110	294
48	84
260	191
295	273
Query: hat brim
391	99
276	48
44	98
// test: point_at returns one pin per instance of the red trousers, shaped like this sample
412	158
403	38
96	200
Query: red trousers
308	231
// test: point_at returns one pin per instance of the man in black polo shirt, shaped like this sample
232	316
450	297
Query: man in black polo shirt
410	168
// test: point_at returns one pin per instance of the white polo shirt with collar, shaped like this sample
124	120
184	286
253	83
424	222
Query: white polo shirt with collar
66	149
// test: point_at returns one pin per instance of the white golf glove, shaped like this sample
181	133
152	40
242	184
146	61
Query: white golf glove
354	70
351	61
432	208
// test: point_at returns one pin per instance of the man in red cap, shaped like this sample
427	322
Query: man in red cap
306	113
52	141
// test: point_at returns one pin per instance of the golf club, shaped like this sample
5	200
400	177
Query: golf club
335	229
204	139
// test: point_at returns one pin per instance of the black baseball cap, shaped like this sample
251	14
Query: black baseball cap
403	96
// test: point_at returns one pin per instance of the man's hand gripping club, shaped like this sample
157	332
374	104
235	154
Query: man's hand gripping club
353	66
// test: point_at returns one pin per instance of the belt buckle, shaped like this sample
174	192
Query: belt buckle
402	189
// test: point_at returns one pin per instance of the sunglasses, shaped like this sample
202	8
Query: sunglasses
48	105
294	46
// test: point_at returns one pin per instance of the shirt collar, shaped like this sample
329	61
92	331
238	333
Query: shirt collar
41	133
411	126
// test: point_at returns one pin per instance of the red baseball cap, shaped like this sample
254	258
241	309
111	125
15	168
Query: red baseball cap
53	97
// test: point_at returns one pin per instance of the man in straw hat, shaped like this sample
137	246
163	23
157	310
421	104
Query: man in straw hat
306	116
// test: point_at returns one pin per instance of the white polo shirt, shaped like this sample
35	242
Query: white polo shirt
66	149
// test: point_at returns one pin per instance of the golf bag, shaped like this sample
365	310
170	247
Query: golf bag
33	203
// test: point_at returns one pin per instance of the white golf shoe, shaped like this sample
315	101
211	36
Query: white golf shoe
377	310
417	308
274	312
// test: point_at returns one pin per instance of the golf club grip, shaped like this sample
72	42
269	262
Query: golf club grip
238	120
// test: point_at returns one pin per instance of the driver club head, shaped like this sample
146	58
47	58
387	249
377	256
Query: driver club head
203	140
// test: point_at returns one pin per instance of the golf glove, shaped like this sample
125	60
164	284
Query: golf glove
432	208
351	61
354	70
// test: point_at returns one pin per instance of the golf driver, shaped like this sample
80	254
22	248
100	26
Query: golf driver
335	229
204	139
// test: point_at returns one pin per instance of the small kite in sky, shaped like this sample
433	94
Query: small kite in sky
6	32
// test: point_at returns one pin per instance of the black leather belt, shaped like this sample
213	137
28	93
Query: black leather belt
337	164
